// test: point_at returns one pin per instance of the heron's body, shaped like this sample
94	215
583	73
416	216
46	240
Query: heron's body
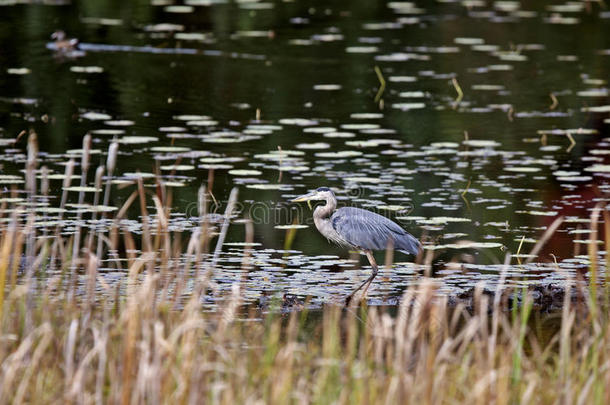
364	230
359	229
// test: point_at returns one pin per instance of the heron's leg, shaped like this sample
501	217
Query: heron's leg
368	281
371	258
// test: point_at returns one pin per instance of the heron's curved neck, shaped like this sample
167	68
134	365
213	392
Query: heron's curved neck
325	211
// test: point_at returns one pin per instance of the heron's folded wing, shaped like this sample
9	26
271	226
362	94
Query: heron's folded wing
369	230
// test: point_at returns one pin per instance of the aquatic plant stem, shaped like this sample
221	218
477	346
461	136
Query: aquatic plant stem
225	225
113	151
382	84
64	199
460	93
85	160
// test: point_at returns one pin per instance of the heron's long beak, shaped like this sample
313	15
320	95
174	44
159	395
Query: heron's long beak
305	197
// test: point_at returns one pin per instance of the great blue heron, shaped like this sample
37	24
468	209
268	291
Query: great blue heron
358	229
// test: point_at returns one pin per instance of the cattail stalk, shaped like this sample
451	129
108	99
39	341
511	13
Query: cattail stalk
225	225
64	199
85	160
30	181
113	152
99	172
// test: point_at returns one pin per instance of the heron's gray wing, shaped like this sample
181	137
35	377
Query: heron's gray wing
372	231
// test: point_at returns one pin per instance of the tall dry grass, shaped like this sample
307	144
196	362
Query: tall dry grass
68	337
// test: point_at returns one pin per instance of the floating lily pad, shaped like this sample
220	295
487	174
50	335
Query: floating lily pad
86	69
522	169
575	178
523	256
315	145
412	94
408	106
442	220
251	244
79	152
244	172
82	189
327	87
173	184
597	109
466	245
277	155
361	49
539	213
95	116
139	174
103	208
468	41
137	139
221	159
192	117
393	207
216	166
364	179
339	135
164	27
319	130
359	127
50	210
301	122
291	226
481	143
119	123
108	131
598	168
178	168
402	79
372	143
179	9
593	93
269	187
292	168
18	71
366	116
172	129
10	179
487	87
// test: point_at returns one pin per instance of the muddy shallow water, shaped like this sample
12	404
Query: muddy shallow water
474	124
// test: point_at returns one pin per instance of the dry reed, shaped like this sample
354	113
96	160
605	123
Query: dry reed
147	345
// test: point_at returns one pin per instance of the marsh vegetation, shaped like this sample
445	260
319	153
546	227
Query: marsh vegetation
149	252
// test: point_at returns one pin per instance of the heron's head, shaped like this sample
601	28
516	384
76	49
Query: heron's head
319	194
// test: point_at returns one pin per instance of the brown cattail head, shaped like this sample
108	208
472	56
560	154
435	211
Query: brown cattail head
99	172
113	151
201	200
86	153
30	175
44	183
68	173
32	149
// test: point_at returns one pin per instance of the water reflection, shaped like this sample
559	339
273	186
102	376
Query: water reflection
492	123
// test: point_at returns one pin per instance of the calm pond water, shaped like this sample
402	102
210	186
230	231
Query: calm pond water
492	123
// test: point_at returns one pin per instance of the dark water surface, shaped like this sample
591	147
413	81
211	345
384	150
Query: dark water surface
282	97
